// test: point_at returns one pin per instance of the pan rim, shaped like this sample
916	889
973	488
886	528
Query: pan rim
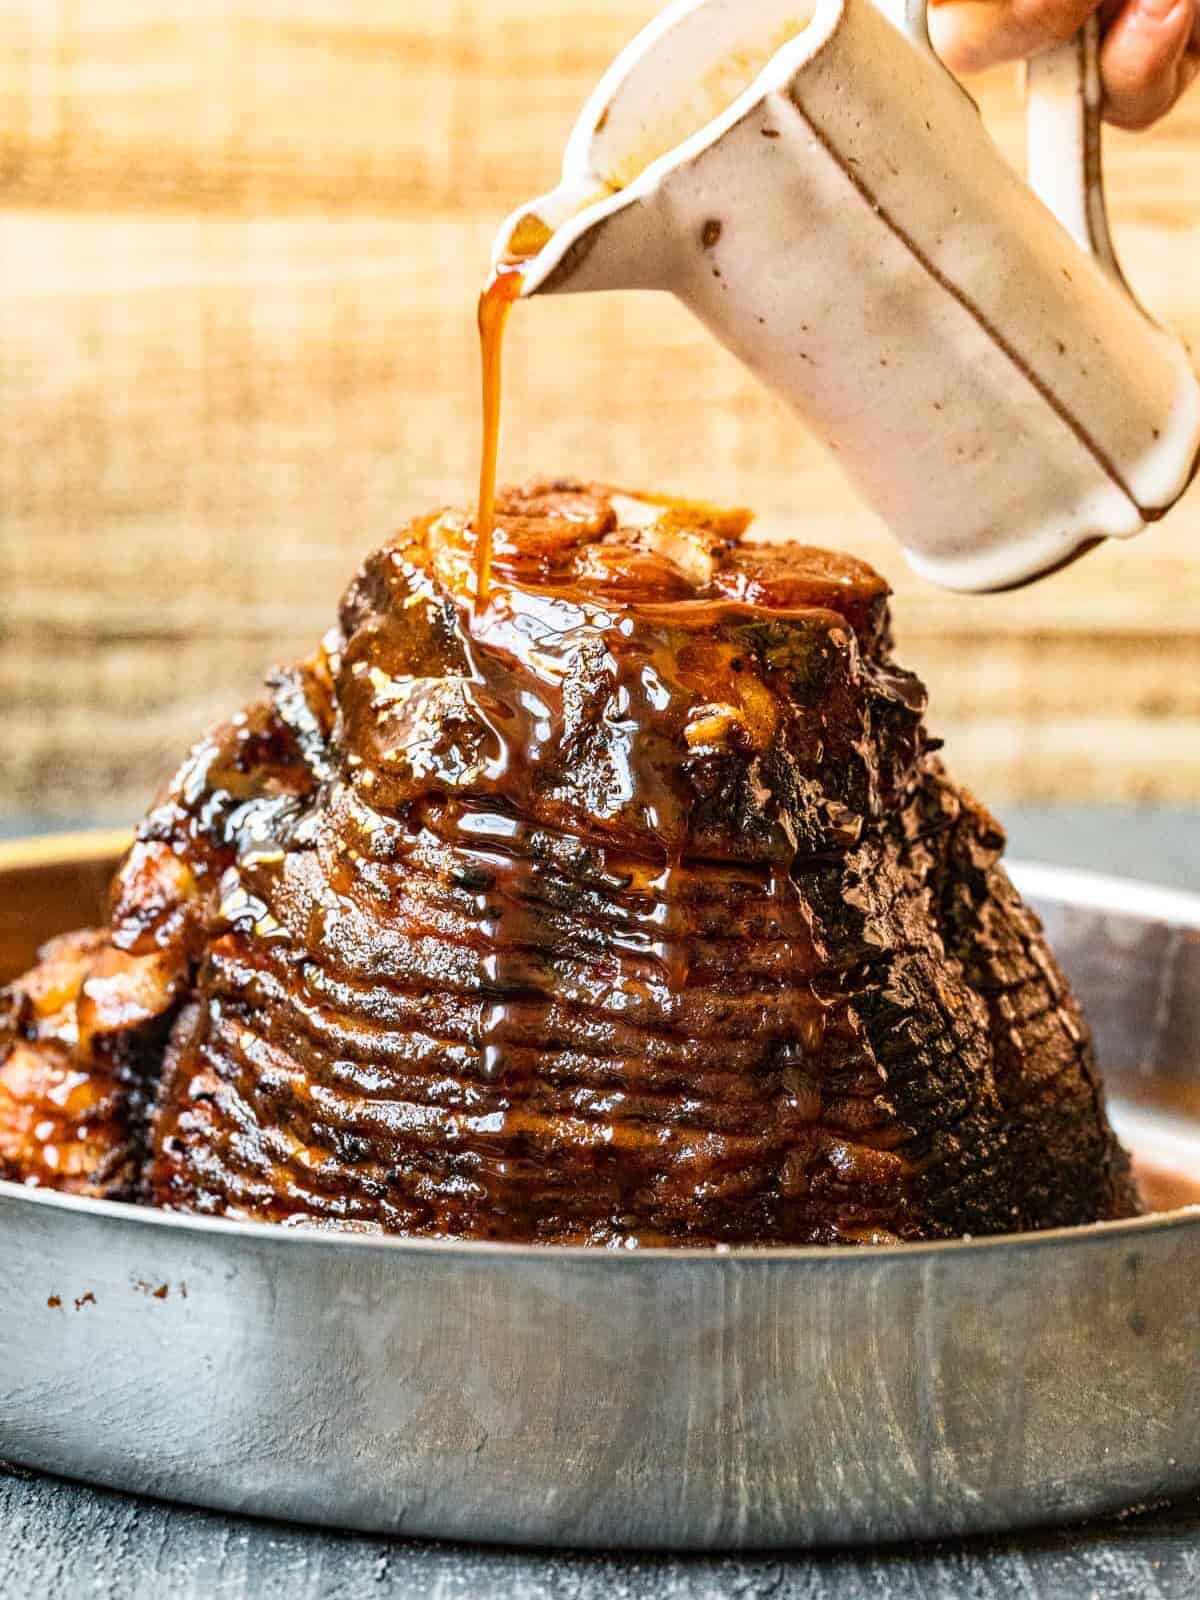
828	1256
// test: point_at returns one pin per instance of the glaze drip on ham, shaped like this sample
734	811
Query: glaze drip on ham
633	906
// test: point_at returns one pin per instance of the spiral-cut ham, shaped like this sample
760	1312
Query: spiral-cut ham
632	907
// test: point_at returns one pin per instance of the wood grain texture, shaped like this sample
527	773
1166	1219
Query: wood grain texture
63	1539
241	244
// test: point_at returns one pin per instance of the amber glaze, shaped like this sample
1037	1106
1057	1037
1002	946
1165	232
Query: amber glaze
495	304
1164	1189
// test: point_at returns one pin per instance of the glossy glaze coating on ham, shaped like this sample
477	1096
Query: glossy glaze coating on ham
633	908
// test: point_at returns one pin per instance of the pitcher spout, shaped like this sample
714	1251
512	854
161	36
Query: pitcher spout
584	236
673	91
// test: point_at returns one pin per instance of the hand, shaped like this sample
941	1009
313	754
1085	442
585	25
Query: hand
1149	56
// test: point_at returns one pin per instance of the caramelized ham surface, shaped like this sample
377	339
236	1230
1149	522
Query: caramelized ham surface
634	907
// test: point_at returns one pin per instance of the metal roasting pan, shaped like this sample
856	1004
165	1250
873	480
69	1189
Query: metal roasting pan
692	1400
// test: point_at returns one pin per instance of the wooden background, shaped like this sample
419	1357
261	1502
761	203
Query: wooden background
240	242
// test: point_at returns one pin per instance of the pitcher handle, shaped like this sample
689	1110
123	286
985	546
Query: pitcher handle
1062	120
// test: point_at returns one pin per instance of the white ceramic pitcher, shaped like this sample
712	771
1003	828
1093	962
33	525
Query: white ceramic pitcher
821	191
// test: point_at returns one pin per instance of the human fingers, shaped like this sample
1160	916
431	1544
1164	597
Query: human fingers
1147	60
970	35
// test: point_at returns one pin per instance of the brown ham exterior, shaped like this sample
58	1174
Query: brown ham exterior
635	909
